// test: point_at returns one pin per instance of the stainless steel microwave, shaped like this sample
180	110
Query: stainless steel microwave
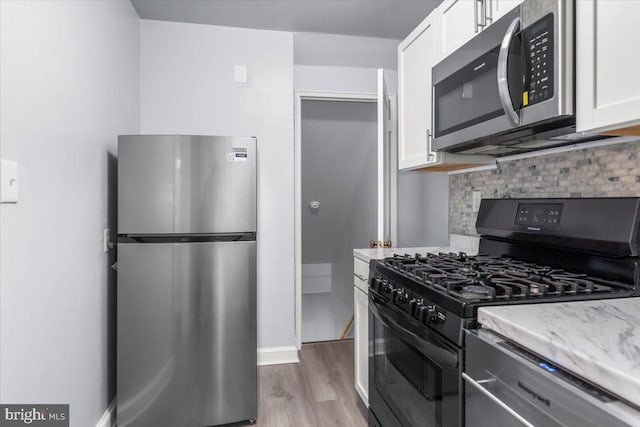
510	89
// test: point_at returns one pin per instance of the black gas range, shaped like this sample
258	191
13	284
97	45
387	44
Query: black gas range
530	251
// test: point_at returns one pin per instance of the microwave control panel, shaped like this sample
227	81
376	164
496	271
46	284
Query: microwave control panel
537	42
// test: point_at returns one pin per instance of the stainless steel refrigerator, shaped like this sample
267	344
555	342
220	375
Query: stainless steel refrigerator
186	300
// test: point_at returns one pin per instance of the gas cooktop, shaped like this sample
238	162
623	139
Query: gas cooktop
589	251
492	278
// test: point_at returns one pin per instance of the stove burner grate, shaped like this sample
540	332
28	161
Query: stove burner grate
490	278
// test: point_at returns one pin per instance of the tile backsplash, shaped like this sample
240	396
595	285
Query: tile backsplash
612	170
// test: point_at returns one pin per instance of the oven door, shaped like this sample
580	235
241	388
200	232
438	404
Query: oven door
413	373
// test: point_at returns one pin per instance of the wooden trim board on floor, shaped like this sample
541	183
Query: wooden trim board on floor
277	355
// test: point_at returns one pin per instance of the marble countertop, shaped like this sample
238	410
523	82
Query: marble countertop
597	340
377	253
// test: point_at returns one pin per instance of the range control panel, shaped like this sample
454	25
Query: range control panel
537	42
408	301
539	214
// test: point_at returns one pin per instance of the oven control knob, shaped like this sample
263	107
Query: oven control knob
377	284
432	314
413	305
398	295
421	313
387	288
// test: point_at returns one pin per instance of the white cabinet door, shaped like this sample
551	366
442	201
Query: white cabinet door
361	345
498	8
457	24
607	89
384	155
416	57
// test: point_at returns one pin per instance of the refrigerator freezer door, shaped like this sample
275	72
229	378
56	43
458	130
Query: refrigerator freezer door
145	184
186	334
215	185
186	184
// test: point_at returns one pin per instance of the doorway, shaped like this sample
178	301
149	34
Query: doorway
338	178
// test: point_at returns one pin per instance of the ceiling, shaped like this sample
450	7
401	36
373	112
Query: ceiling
389	19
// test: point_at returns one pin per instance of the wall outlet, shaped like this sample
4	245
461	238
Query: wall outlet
476	198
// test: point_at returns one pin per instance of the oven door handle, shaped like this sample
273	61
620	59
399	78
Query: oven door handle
428	344
503	82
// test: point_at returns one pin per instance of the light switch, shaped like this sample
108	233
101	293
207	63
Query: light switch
8	181
240	73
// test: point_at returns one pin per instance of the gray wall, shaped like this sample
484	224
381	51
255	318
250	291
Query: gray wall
339	141
69	84
186	86
423	209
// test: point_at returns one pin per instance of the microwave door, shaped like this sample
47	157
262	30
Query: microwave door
468	97
469	104
470	101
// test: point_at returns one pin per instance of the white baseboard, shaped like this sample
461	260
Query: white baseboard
109	417
277	355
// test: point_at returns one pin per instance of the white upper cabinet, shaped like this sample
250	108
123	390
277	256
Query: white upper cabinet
607	89
416	57
498	8
417	54
458	22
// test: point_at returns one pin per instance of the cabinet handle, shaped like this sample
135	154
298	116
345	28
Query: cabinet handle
475	15
430	154
359	276
488	15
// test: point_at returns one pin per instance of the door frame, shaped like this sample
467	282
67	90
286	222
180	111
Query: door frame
341	97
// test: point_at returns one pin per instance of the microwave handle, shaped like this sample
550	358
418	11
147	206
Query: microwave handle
503	83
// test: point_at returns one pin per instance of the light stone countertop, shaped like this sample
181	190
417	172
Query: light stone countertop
597	340
368	254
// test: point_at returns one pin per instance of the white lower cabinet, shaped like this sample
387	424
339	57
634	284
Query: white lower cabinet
361	328
361	345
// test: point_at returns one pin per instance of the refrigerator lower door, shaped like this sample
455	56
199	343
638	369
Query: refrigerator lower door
186	334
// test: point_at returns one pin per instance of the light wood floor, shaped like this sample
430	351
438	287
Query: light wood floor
317	392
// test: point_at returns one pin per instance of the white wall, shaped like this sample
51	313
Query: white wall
69	86
186	75
329	78
345	51
423	209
